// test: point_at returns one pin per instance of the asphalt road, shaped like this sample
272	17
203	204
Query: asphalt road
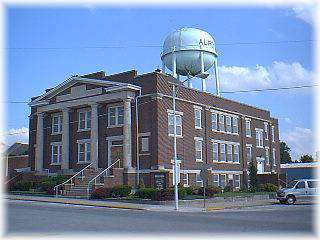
57	219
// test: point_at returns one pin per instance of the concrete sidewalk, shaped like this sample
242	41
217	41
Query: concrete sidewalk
184	205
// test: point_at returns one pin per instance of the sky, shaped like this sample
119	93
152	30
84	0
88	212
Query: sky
258	48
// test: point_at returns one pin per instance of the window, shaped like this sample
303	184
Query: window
248	128
222	180
228	122
214	121
221	123
272	133
267	156
229	153
215	152
236	180
259	138
199	181
249	153
236	154
185	180
216	180
222	152
313	184
178	124
266	131
300	185
84	151
235	128
197	118
145	144
274	156
198	143
56	124
115	116
84	120
56	153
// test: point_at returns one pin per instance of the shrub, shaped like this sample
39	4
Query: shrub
121	191
228	188
210	191
268	187
191	190
101	193
141	183
164	194
22	186
50	191
146	193
182	192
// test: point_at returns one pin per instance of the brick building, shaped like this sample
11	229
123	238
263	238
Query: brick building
90	119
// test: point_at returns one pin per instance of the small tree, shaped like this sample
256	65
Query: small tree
285	153
306	158
253	185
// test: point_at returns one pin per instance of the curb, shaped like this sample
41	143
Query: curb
77	203
211	209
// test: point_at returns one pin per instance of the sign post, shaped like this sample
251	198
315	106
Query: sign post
204	174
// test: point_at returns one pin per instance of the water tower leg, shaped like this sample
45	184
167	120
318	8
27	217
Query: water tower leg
204	86
163	68
174	65
217	78
189	83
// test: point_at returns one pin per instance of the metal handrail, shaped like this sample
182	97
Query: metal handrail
70	179
95	178
12	178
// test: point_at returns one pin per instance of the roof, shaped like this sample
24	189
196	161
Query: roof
17	149
300	165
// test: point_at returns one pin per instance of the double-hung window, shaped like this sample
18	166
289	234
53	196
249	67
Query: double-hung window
249	153
84	120
267	156
221	123
222	180
222	152
197	117
266	131
215	152
56	153
216	180
56	123
248	128
84	150
145	144
274	156
198	148
199	181
229	124
214	121
259	138
235	128
236	178
178	125
229	152
236	158
272	133
115	116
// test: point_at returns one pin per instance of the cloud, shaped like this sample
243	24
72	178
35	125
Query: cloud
278	74
17	135
300	140
305	12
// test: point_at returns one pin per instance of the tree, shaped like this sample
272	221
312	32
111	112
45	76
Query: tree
285	153
253	185
306	158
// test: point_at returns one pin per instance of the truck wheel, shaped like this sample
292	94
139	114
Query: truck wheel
291	199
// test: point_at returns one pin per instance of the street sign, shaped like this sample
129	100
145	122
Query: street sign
178	172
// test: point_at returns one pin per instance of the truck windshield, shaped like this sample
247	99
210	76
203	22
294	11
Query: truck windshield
292	183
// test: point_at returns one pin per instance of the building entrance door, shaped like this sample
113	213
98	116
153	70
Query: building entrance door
115	152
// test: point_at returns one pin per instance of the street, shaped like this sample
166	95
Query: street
58	219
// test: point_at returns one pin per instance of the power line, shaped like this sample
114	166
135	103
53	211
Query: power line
156	46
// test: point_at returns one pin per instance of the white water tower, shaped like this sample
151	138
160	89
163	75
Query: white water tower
190	52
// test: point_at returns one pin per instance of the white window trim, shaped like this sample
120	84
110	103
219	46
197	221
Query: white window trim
83	141
217	122
267	161
116	107
272	134
226	123
59	115
177	135
222	123
274	157
249	146
196	139
177	112
234	181
86	128
147	148
261	135
238	154
195	110
225	179
248	120
217	174
237	118
59	158
266	130
185	177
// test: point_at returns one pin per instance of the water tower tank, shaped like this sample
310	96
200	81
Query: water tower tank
189	52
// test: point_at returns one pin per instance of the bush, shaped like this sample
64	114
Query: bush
101	193
191	190
22	186
164	194
182	192
210	191
121	191
228	188
268	187
146	193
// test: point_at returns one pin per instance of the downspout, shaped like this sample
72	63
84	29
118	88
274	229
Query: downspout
137	137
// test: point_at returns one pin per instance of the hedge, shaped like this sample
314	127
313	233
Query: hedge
121	191
117	191
268	187
210	191
146	193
